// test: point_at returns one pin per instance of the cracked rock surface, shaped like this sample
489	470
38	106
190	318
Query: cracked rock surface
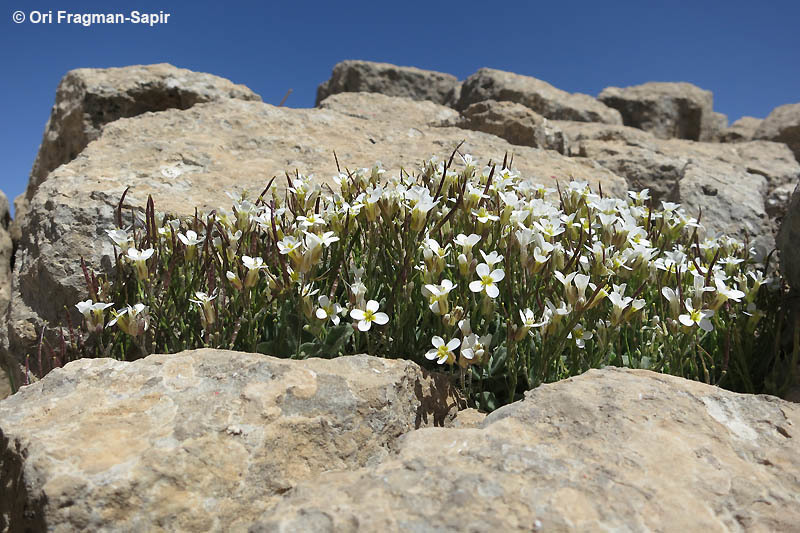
227	441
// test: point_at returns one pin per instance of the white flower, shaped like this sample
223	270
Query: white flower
487	281
580	335
191	238
492	259
328	309
443	352
437	295
467	242
474	348
310	221
672	297
725	293
139	257
93	312
234	279
204	301
369	315
696	317
485	216
132	320
120	238
253	264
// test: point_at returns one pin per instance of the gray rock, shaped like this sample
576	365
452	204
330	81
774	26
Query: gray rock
789	241
744	175
714	128
667	110
596	131
539	96
391	80
188	158
513	122
778	201
742	130
200	440
89	98
729	201
6	252
782	125
610	450
381	108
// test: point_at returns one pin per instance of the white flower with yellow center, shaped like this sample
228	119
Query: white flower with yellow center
253	264
488	280
437	296
696	317
443	353
328	309
366	317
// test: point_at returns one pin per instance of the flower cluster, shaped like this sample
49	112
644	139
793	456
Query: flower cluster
553	281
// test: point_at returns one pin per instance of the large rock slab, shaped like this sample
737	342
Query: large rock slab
513	122
89	98
667	110
789	241
391	80
611	450
782	125
742	130
190	158
538	95
201	440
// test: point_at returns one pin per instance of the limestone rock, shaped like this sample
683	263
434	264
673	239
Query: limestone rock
714	128
778	201
643	166
200	440
731	202
513	122
782	125
382	108
190	158
391	80
538	95
789	241
6	251
582	131
611	450
742	130
667	110
89	98
737	178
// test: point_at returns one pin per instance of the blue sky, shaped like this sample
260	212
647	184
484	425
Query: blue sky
746	53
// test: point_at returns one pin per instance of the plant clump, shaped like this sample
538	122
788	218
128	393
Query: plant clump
506	282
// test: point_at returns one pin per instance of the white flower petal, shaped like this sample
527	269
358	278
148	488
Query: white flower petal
492	291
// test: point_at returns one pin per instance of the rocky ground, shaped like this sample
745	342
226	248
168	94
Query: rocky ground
612	448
